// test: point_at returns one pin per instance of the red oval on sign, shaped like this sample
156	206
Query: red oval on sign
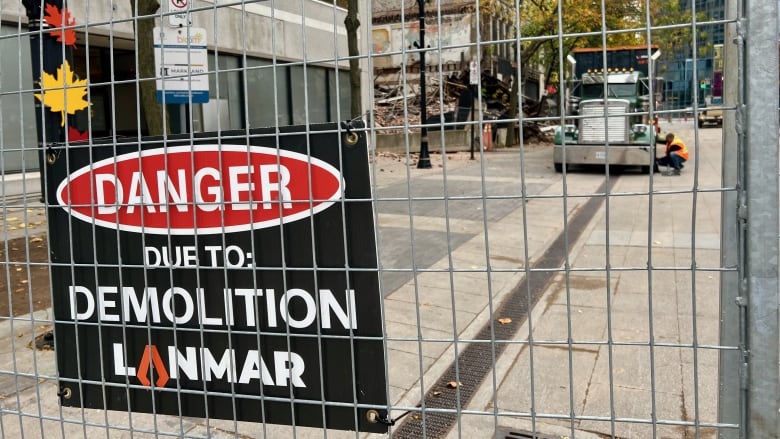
200	189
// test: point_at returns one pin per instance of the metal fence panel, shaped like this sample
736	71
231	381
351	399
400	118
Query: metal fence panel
510	265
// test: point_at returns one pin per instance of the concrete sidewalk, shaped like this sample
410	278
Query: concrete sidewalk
599	345
626	343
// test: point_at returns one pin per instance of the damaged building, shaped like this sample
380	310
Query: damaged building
456	43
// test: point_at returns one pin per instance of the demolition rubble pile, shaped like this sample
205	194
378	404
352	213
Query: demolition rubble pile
397	106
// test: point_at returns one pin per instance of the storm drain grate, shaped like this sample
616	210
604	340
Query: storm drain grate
508	433
458	384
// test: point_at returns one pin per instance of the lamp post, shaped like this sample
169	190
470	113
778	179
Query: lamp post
425	161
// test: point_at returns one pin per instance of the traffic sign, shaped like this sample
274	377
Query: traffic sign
180	13
474	73
181	63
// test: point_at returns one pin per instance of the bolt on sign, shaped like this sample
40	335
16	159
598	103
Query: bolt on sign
219	277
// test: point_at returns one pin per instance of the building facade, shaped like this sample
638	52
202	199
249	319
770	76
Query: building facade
706	59
269	63
455	36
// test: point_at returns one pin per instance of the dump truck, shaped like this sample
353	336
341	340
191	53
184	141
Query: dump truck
608	105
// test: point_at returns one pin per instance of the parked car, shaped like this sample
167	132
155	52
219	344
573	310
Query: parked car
711	115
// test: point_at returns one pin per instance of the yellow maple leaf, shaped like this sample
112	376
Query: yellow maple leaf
62	92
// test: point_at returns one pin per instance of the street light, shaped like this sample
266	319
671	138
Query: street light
425	161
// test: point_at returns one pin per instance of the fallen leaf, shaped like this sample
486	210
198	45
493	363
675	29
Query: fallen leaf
657	242
436	393
505	320
12	218
36	239
454	384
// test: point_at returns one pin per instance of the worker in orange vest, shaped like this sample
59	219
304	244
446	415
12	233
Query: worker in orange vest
676	154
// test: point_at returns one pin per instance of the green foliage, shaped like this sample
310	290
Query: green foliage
570	24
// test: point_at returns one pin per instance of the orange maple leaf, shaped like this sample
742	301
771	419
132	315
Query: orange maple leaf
63	92
58	20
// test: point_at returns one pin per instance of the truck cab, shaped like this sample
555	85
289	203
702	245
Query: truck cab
608	113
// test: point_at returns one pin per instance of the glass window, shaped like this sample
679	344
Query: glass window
224	94
18	137
264	103
340	106
310	93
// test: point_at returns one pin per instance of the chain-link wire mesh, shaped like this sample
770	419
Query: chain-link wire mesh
411	219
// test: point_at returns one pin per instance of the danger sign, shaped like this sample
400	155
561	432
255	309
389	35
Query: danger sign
209	279
186	190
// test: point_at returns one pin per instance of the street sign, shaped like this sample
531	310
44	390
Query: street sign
474	73
181	63
180	15
228	279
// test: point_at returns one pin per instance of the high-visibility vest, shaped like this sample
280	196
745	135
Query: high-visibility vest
682	152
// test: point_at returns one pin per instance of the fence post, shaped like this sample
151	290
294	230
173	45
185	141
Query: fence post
729	403
759	210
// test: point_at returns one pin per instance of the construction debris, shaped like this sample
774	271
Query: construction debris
397	106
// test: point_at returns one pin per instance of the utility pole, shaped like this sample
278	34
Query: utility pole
425	161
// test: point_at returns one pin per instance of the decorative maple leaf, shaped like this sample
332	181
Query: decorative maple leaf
63	92
59	19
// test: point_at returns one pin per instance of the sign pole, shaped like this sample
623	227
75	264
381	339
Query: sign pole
425	161
180	19
473	86
47	55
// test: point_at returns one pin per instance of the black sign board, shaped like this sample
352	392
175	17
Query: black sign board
229	276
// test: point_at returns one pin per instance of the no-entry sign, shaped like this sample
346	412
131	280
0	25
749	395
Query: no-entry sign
227	278
179	13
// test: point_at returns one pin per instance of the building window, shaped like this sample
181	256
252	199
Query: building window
18	138
266	106
223	110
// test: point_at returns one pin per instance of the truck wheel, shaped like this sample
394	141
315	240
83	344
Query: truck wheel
644	169
558	167
701	124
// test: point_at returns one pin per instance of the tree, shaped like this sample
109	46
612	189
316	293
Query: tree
581	25
156	119
352	24
677	36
